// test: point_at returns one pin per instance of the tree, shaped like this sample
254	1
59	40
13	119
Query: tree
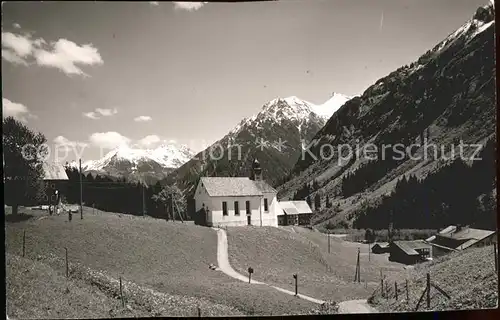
317	201
328	203
308	200
369	235
23	154
164	199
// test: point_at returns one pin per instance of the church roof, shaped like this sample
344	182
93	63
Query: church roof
235	187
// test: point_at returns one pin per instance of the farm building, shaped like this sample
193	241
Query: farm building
409	252
380	247
236	201
56	182
294	213
456	238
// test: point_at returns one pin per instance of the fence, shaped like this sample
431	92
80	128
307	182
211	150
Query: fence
403	290
72	268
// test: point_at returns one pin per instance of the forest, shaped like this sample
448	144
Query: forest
456	194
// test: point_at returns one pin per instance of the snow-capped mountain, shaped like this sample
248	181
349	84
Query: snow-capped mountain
328	108
280	110
128	159
289	120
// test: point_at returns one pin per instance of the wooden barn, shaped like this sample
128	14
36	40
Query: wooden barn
409	252
56	183
456	238
294	213
380	247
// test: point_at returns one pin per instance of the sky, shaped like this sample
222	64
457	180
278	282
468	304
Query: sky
95	75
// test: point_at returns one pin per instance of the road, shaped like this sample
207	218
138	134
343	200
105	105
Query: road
351	306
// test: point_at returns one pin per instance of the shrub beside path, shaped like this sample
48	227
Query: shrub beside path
351	306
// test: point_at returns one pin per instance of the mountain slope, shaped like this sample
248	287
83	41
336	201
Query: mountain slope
289	119
446	96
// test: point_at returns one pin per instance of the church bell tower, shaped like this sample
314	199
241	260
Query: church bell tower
256	171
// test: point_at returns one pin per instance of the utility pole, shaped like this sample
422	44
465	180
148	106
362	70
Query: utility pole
172	206
328	240
143	204
81	191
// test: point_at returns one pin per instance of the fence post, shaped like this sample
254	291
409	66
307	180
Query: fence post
428	290
24	242
121	293
67	265
295	276
199	312
381	283
407	293
496	256
396	289
93	208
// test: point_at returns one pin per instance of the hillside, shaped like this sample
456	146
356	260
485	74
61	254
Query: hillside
170	258
468	277
35	290
289	119
276	254
445	97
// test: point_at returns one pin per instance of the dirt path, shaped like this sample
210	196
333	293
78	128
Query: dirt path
225	267
356	306
351	306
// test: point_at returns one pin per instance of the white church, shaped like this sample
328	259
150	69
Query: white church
237	201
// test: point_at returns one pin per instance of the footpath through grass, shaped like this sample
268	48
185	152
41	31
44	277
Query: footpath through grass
169	257
276	254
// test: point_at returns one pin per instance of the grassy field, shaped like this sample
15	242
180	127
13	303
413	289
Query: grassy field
168	257
276	254
468	277
36	290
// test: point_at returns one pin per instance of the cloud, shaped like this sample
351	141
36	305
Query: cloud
12	57
62	141
91	115
16	25
189	6
20	45
108	140
65	55
149	140
154	3
106	112
102	112
16	110
62	54
143	119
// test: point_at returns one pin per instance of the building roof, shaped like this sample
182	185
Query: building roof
54	171
461	239
410	247
235	187
295	207
302	206
381	244
264	187
288	207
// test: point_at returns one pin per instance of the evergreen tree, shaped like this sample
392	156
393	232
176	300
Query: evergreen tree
317	201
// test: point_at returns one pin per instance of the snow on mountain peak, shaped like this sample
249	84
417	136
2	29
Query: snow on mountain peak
328	108
166	155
